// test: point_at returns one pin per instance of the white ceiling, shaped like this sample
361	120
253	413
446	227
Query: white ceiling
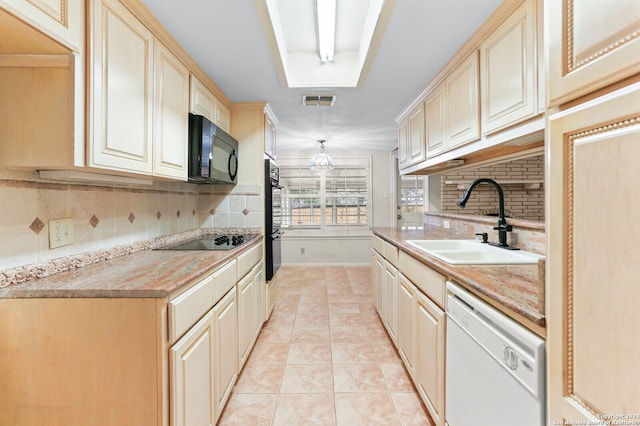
227	40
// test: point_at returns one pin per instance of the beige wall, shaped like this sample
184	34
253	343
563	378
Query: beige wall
520	202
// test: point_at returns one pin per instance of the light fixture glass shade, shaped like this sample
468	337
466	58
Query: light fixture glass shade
322	160
326	28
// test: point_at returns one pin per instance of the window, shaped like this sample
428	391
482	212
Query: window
335	199
412	194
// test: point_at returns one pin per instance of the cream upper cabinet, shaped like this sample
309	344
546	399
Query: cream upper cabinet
62	20
416	143
430	349
121	90
592	258
592	44
462	103
203	102
223	117
403	145
171	115
434	111
269	136
508	71
191	364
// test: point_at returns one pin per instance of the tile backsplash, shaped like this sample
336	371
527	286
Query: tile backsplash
106	216
521	181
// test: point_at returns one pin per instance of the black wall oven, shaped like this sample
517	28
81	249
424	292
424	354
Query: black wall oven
273	218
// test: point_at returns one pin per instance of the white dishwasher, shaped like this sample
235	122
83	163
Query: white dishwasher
495	369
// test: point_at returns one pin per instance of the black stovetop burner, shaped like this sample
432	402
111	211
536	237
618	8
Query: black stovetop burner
210	242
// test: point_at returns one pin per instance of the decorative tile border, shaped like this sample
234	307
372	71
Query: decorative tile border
34	271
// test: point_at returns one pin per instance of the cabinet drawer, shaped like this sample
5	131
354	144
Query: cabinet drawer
390	252
224	278
189	306
431	283
249	258
377	243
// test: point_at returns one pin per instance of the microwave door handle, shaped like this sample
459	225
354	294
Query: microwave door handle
233	172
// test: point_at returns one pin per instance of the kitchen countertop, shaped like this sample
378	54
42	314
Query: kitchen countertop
514	289
144	274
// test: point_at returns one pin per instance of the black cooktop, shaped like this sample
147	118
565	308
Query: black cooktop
210	242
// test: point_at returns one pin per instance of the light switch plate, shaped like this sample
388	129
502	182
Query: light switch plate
60	232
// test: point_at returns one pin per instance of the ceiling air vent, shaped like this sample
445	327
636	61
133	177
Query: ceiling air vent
318	100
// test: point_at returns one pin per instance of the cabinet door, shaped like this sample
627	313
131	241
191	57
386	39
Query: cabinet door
223	117
429	365
121	90
225	360
390	284
202	102
62	20
591	45
416	144
269	137
378	284
171	115
508	71
434	108
191	364
593	261
403	145
247	316
461	93
407	322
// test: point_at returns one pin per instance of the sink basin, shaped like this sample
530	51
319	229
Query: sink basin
473	252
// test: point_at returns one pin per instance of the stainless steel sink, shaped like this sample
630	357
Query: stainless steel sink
470	252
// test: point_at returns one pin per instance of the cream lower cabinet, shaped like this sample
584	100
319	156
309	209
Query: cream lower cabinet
406	299
204	367
389	292
271	293
192	365
385	281
250	301
225	354
592	260
429	364
421	331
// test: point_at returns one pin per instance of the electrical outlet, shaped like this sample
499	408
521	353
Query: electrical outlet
445	224
60	232
302	250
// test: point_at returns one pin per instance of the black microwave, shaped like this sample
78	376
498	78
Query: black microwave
213	153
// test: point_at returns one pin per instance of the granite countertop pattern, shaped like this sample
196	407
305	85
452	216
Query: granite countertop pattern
515	287
144	274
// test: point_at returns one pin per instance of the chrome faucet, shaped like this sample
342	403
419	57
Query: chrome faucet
502	227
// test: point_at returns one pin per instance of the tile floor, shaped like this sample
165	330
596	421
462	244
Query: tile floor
324	358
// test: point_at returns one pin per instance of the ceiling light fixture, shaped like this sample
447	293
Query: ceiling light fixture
322	160
326	28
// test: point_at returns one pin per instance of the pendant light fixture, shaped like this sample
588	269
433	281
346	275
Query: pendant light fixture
322	160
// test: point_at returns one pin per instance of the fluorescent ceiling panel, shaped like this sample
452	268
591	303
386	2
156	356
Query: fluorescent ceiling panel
290	27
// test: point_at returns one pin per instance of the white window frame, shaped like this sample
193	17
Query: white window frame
324	228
